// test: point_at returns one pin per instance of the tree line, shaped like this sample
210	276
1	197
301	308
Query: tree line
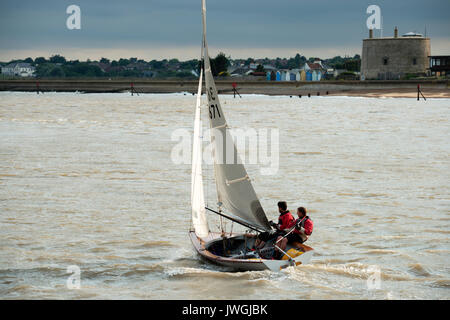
58	66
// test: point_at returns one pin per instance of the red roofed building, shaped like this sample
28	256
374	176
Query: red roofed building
316	69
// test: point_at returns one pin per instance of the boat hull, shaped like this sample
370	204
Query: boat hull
253	264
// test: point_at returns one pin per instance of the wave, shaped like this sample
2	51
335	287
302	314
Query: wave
381	251
419	270
444	283
19	289
154	244
437	231
123	270
357	213
307	153
217	272
357	270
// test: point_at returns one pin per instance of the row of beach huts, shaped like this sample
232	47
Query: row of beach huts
294	75
310	71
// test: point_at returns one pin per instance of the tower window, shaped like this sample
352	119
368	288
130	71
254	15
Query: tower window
414	61
385	61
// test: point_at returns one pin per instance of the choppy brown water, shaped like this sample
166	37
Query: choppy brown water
87	180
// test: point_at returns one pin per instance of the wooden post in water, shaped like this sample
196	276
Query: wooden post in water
419	92
235	90
133	90
38	89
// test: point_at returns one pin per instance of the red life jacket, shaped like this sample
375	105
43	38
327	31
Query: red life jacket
285	220
305	223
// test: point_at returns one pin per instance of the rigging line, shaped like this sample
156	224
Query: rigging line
235	220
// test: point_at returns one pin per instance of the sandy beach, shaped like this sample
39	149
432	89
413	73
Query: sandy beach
395	93
395	89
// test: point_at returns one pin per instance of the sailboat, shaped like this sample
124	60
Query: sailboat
237	199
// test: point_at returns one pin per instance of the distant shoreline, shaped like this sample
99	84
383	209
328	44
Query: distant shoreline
372	88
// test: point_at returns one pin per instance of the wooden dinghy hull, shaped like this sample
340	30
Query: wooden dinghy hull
304	254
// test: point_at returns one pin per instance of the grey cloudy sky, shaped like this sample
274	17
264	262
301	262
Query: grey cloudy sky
154	29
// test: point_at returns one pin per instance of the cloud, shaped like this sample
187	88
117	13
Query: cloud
172	28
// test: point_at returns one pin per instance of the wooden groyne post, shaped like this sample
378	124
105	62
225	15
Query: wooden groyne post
38	88
419	92
133	90
234	85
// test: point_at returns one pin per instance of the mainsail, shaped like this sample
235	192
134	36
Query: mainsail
234	189
197	195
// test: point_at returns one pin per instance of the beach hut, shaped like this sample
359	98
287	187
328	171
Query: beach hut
288	76
314	75
309	76
297	76
278	76
303	75
319	75
268	76
273	76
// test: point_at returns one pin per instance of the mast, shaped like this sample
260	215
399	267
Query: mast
234	188
197	192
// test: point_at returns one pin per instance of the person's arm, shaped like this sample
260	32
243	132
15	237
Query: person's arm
274	225
308	227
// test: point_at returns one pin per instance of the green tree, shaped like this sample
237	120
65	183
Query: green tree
157	65
248	61
352	65
83	70
57	72
189	65
124	62
57	59
40	60
219	64
43	69
260	68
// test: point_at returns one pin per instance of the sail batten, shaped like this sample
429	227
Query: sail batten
234	188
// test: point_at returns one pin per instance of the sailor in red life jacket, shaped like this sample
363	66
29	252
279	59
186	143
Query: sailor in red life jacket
285	220
301	228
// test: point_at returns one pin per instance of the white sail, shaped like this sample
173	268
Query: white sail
197	195
234	189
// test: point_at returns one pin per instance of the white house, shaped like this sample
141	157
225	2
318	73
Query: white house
337	72
316	69
21	69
